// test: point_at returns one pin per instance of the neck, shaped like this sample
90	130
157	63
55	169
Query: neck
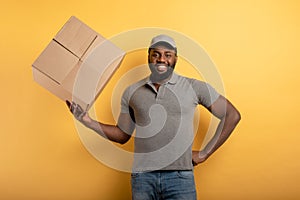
158	81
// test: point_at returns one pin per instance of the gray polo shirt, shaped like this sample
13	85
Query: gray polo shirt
163	121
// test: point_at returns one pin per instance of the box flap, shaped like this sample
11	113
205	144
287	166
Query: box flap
98	40
76	36
103	54
51	85
55	62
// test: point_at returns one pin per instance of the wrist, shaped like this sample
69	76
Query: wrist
86	120
203	155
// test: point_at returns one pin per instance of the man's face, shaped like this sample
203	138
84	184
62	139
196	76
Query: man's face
161	62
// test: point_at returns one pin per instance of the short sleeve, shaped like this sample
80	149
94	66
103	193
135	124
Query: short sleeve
205	93
126	118
125	101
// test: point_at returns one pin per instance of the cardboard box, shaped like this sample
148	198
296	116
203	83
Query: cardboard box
77	63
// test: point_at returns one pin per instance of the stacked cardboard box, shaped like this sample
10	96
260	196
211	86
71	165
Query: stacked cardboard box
77	63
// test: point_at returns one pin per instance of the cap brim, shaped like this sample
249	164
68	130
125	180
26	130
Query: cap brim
164	44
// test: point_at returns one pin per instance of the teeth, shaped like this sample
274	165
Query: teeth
161	68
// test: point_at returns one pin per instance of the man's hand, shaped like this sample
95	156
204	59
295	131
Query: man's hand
78	112
110	132
199	157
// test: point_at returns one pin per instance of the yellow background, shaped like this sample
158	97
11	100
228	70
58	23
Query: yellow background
255	46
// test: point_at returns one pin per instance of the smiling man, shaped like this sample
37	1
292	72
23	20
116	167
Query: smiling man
160	108
162	58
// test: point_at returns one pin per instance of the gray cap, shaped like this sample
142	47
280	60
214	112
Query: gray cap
162	39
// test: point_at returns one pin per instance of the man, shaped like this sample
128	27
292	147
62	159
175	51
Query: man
161	108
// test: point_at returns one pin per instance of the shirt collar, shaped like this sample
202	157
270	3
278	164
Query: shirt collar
173	79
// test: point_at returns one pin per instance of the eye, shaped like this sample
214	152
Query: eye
168	55
155	55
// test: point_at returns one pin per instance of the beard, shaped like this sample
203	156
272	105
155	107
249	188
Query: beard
156	76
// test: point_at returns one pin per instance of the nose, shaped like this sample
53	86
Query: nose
161	59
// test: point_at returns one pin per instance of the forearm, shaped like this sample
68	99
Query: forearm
223	131
110	132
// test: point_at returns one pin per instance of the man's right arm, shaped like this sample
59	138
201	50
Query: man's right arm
111	132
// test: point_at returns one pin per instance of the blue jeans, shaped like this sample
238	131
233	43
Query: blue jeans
163	185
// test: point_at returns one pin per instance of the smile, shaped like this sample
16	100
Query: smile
161	68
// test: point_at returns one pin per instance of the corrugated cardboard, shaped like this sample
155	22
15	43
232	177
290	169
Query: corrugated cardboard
77	63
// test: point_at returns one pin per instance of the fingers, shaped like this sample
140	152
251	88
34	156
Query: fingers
68	103
71	106
194	163
76	110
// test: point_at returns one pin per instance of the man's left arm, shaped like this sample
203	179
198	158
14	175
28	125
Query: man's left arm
229	117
